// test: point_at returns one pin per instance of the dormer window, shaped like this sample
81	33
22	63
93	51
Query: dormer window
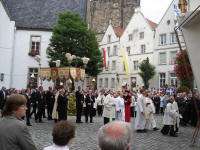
35	45
109	39
130	37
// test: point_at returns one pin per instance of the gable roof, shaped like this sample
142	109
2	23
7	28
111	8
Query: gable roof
41	14
152	24
118	31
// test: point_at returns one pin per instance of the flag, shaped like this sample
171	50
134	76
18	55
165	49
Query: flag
176	10
125	61
105	58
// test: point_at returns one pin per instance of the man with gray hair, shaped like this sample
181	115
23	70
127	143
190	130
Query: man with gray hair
115	135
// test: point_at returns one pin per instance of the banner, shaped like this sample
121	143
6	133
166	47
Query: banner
63	72
82	74
78	73
45	73
54	73
73	72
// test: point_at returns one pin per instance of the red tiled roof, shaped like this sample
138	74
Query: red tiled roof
151	23
118	31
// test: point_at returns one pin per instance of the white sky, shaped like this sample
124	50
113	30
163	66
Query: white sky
154	9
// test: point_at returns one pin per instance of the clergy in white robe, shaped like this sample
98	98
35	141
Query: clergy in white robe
169	119
120	114
109	108
149	114
140	120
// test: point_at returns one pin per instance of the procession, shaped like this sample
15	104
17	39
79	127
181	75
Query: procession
99	75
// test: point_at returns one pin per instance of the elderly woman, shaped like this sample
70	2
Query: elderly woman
14	134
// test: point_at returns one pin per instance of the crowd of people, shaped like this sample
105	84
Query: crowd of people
115	107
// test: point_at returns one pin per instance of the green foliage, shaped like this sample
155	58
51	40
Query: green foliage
71	35
183	89
147	71
71	105
183	69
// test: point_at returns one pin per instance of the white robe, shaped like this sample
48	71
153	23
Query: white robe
55	112
140	120
120	113
175	107
149	114
109	107
169	115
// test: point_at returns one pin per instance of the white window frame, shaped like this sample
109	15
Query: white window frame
162	63
128	50
135	65
162	79
163	39
143	49
141	35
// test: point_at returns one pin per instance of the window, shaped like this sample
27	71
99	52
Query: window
113	83
172	58
108	49
141	35
106	83
173	79
107	66
32	77
113	65
130	37
175	22
162	58
100	82
35	45
109	39
173	38
162	79
135	65
143	48
163	39
115	51
128	49
168	22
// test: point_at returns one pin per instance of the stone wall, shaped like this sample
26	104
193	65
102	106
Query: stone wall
101	12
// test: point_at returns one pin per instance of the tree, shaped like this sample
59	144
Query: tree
147	71
183	69
71	35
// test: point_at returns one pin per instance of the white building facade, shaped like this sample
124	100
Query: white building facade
24	34
7	31
137	41
109	77
166	48
190	26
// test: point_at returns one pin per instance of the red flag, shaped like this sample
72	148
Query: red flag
104	57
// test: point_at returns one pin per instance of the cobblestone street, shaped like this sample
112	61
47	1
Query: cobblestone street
86	137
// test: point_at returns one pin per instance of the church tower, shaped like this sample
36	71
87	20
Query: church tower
101	12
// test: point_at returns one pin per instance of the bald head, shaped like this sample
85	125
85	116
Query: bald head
115	135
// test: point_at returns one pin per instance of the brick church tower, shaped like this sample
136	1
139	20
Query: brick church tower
101	12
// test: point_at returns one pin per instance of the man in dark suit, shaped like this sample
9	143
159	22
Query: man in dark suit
89	110
40	104
79	104
2	97
50	98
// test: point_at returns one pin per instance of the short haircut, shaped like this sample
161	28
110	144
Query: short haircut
115	135
63	132
13	102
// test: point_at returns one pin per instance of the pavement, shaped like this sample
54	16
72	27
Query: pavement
86	136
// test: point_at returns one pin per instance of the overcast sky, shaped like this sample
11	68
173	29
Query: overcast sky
154	9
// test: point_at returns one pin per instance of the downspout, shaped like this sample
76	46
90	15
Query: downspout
12	57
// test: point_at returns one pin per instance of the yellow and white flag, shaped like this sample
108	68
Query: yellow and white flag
125	61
